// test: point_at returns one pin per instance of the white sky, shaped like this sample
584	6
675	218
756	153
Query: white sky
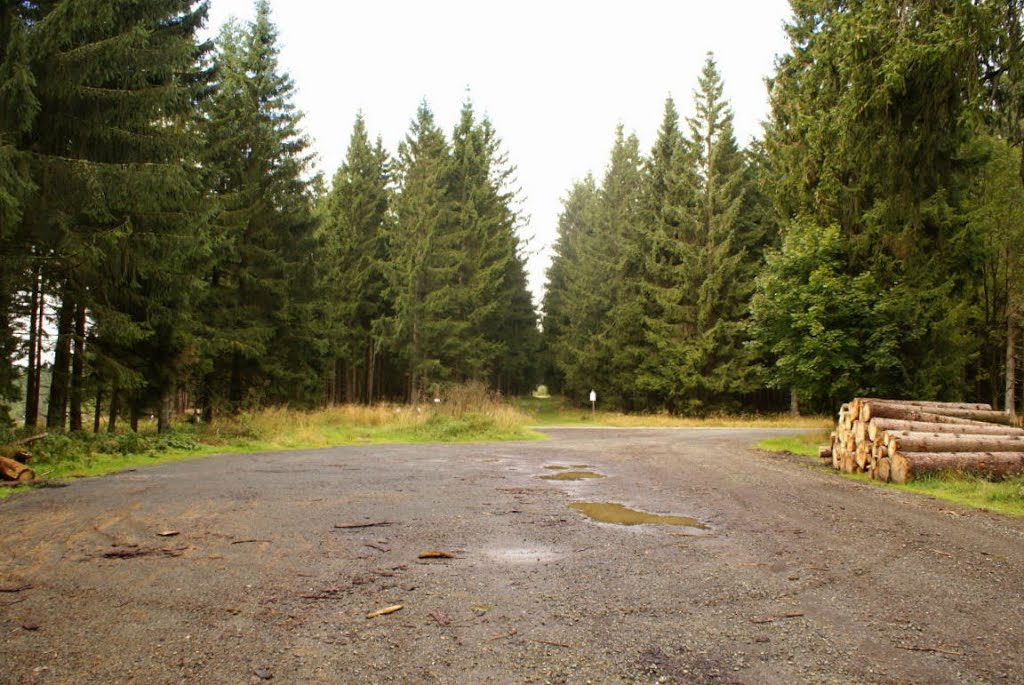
555	77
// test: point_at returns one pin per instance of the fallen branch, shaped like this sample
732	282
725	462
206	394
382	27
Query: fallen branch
504	635
940	650
132	553
385	611
15	588
348	526
242	542
437	555
553	644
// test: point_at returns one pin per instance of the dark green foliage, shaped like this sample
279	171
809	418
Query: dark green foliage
352	259
258	310
648	293
871	112
457	283
95	164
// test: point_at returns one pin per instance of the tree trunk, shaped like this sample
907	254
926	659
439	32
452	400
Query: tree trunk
993	465
97	412
35	332
133	418
947	442
163	418
60	380
794	403
235	386
371	362
1011	362
115	408
77	371
877	426
907	412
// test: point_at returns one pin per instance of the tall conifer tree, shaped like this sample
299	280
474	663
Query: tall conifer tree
261	345
351	275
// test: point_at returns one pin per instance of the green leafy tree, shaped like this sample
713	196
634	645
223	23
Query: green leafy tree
870	110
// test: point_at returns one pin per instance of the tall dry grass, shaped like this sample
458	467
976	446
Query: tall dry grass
464	412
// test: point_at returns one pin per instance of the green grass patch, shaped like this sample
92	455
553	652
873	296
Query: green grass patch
805	444
1004	497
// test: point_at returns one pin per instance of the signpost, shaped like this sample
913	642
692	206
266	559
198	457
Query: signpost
593	402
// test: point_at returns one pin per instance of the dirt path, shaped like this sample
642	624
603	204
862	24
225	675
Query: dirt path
801	577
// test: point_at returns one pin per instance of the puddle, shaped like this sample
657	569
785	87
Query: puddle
572	475
612	512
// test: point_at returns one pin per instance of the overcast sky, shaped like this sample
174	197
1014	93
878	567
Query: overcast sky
554	76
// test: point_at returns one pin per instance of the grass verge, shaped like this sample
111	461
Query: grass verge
1004	497
555	411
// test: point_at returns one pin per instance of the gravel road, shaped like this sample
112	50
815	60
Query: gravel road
799	577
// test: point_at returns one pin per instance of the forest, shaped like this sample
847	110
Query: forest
165	242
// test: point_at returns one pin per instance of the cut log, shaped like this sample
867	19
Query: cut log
12	470
925	403
825	453
906	466
904	441
886	410
883	469
862	456
876	426
860	430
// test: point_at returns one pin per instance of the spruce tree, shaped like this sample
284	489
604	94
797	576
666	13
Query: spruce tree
490	286
669	214
260	343
424	258
721	365
560	307
351	267
598	344
103	92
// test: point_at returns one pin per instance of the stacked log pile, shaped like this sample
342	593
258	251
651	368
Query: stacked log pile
898	440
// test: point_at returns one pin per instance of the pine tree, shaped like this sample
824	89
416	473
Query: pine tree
598	345
721	366
352	256
491	283
103	92
261	345
18	107
561	309
424	258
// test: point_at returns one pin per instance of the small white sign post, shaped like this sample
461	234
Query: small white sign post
593	402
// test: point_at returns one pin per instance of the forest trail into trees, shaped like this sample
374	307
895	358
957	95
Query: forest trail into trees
240	567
